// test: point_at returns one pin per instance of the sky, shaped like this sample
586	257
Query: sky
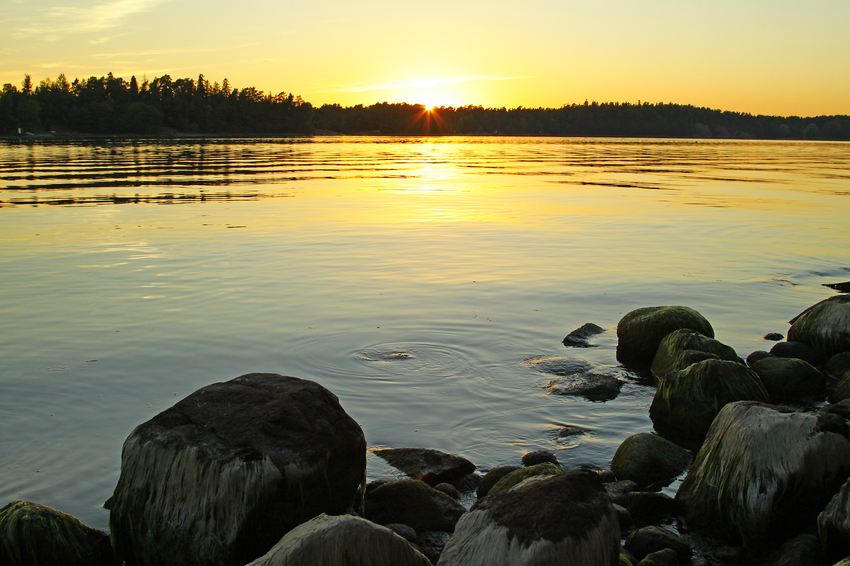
777	57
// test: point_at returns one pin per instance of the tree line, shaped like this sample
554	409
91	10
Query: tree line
110	105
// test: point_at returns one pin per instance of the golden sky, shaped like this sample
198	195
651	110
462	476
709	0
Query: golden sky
781	57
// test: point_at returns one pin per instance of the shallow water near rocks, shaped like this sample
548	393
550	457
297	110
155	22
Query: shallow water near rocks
413	277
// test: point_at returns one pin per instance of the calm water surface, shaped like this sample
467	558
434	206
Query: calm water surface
412	277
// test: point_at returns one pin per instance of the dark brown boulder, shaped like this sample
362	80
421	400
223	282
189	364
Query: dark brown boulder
221	476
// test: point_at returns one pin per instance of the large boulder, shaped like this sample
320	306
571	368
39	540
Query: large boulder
35	535
221	476
648	459
431	466
565	520
684	347
687	401
790	379
413	503
640	332
342	540
824	326
762	472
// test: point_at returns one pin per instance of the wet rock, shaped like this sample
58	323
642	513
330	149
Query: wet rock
762	473
834	524
432	543
539	457
35	535
648	459
647	507
773	337
222	475
618	490
492	477
802	550
607	476
565	519
640	332
512	479
797	350
578	338
468	483
758	355
413	503
598	385
840	287
665	557
842	409
341	540
448	489
652	539
406	532
841	391
836	366
431	466
824	326
625	560
790	379
687	401
684	347
624	518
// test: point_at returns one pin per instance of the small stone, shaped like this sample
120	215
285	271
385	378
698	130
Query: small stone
578	337
595	386
773	337
539	457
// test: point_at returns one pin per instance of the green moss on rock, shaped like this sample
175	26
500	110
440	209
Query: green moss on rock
686	346
640	332
824	326
514	478
35	535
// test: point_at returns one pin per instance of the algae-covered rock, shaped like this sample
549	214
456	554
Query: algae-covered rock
649	459
790	379
640	332
221	476
663	557
522	474
566	519
413	503
492	477
431	466
578	338
539	457
342	540
760	471
687	401
35	535
834	524
824	326
598	385
684	347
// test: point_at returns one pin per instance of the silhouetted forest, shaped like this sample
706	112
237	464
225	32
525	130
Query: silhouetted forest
163	106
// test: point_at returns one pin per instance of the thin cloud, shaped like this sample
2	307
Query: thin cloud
418	82
97	18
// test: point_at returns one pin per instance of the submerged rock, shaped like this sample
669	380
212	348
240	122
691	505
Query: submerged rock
598	385
824	326
640	332
413	503
221	476
342	540
565	519
431	466
687	401
684	347
559	365
761	471
648	459
578	337
790	379
35	535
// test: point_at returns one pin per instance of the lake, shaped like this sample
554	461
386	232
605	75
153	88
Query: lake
413	277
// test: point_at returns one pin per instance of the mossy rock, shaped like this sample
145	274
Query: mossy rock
35	535
686	346
640	332
648	459
514	478
761	471
687	401
492	477
824	326
790	379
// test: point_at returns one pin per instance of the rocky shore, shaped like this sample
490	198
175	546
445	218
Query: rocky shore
270	470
